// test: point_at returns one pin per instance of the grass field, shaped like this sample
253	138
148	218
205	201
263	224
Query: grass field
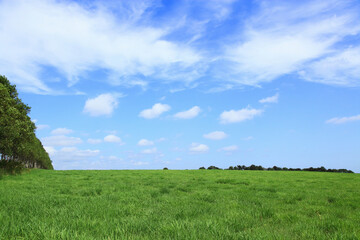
187	204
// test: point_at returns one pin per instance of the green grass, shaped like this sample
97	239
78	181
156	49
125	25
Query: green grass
196	204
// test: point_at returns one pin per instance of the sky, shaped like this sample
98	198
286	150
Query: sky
186	84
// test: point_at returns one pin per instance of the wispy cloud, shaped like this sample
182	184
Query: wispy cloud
149	151
60	140
340	68
282	38
61	131
188	114
272	99
75	40
42	126
340	120
71	154
230	148
217	135
94	140
131	47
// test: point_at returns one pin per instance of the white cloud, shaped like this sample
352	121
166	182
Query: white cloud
244	114
74	154
42	126
139	163
341	68
154	112
79	153
198	148
94	141
149	151
75	40
50	150
61	131
217	135
341	120
112	139
283	38
229	148
272	99
191	113
60	140
145	142
103	104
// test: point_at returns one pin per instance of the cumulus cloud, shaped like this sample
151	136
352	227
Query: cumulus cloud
112	139
60	140
241	115
94	141
191	113
272	99
145	142
154	112
103	104
340	120
229	148
61	131
217	135
75	39
149	151
198	148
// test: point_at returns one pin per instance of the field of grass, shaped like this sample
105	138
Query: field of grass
187	204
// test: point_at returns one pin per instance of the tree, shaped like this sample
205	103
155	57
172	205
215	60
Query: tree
18	142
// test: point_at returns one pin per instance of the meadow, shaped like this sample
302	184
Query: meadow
179	204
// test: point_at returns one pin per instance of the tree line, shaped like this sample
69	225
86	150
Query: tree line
19	146
275	168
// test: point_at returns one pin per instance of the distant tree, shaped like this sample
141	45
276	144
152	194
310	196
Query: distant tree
165	168
213	168
253	167
275	168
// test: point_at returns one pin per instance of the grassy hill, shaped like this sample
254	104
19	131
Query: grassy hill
187	204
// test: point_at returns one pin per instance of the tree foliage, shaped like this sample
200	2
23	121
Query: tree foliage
18	142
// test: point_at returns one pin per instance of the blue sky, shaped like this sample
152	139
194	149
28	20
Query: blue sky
185	84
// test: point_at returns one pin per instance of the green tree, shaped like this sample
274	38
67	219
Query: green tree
18	142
